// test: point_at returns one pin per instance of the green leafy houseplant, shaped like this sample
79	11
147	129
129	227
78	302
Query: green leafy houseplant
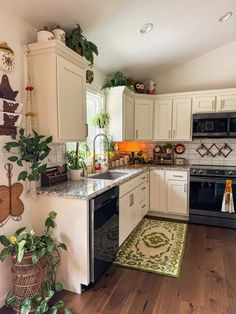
76	159
33	149
27	244
101	120
78	42
117	80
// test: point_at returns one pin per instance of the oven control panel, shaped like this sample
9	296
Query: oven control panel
212	172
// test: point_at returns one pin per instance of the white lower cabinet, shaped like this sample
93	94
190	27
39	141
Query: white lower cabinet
133	204
169	192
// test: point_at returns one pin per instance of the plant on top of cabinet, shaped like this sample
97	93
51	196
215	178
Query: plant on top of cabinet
31	148
76	162
101	120
118	79
79	43
35	261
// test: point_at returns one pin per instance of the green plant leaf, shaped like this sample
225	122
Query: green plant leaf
63	246
35	257
59	305
57	286
67	311
49	223
51	248
26	306
22	131
19	163
4	240
52	310
4	253
49	139
11	300
18	231
53	215
13	158
21	251
22	176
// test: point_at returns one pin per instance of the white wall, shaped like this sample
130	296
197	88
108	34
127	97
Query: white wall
216	69
16	33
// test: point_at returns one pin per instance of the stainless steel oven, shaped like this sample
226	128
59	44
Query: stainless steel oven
207	186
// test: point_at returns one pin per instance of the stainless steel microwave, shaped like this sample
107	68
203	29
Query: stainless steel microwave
214	125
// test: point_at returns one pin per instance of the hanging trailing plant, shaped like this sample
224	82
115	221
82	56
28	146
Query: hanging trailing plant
101	120
31	149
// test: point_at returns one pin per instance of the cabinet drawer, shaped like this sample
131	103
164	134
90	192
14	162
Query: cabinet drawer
177	175
129	186
143	192
143	178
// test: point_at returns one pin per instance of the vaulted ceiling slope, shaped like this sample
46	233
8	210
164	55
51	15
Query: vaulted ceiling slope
183	29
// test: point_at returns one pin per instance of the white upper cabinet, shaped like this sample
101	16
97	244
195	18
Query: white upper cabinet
120	106
204	104
143	118
59	79
226	102
181	119
162	119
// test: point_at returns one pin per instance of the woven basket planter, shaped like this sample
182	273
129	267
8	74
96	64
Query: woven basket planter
28	278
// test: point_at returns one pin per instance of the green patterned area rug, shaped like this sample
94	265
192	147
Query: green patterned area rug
154	246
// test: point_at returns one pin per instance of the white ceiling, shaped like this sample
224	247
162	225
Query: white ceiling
183	29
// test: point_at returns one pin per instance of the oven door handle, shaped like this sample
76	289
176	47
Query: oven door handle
211	180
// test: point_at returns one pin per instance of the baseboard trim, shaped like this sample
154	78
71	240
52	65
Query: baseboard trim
168	216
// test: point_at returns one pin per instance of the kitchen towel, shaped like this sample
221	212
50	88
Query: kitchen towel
228	200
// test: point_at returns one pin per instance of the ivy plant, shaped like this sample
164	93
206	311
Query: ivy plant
118	79
23	243
31	148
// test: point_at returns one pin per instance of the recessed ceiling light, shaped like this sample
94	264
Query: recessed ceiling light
226	16
146	28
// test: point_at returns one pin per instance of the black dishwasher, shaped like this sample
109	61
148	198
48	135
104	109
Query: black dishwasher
104	232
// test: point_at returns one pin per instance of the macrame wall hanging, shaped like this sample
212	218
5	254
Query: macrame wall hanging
10	204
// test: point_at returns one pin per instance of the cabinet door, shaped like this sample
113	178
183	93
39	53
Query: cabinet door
182	119
143	119
204	104
136	209
226	102
157	191
125	216
71	101
162	120
128	118
177	197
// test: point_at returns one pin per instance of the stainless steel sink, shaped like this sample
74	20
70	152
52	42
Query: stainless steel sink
108	175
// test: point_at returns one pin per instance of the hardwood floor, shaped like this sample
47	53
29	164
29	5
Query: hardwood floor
207	283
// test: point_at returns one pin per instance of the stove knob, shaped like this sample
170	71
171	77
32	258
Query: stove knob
200	171
194	171
231	173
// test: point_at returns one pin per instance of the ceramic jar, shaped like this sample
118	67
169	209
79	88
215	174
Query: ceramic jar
59	34
75	174
44	35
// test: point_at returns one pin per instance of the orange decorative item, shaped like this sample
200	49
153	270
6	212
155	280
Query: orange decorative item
228	200
11	205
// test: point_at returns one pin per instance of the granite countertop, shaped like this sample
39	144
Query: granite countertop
87	188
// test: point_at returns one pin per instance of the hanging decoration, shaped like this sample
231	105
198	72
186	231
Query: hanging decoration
11	205
10	110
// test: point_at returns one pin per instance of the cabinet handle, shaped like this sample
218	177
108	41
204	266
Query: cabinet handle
222	104
86	129
185	187
169	135
177	176
130	200
136	133
213	105
143	206
143	188
133	199
147	178
143	178
173	133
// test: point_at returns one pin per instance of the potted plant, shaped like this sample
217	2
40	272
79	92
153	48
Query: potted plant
35	259
168	148
76	162
31	149
118	79
78	42
101	120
